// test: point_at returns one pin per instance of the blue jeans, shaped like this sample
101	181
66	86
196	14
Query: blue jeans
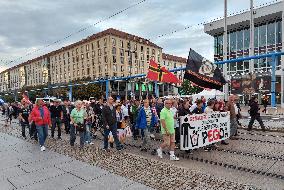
113	130
87	135
73	136
42	133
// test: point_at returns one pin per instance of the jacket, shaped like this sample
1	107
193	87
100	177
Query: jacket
36	117
231	108
254	108
141	121
109	116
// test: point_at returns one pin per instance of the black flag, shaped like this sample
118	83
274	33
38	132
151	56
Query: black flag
202	72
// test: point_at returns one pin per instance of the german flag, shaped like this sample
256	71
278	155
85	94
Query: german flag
161	74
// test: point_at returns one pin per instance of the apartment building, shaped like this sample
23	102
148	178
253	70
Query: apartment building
110	53
107	54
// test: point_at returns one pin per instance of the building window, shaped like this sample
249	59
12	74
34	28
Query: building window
114	68
233	42
98	44
279	32
121	44
93	54
122	60
121	52
142	48
99	52
113	41
82	49
105	58
105	42
240	40
87	55
114	59
113	51
271	33
262	35
246	38
87	47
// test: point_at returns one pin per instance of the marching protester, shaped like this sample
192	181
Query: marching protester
255	114
134	112
231	107
146	121
90	116
66	109
24	117
110	124
40	115
199	109
174	110
77	116
56	118
168	131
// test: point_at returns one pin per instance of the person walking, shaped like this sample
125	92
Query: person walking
56	118
168	131
231	107
89	122
24	117
146	120
66	109
254	114
110	124
77	116
40	115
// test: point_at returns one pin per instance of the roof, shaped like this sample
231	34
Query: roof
110	31
174	58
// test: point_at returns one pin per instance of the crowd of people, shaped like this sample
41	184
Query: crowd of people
118	119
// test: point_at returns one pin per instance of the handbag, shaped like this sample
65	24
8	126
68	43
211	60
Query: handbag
80	127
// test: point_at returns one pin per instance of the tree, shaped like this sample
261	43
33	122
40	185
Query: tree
188	89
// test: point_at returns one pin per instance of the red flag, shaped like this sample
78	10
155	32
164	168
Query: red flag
158	73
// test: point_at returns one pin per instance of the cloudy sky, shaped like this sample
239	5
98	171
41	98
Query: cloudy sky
30	25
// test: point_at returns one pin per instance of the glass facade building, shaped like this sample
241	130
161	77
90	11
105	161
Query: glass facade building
267	38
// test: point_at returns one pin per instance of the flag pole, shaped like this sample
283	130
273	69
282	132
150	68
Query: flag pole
225	44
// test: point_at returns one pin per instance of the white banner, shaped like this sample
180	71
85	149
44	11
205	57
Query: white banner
200	130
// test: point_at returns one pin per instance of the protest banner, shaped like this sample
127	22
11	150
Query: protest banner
200	130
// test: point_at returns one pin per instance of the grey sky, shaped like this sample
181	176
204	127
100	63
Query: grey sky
27	25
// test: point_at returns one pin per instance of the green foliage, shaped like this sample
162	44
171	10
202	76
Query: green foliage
188	89
84	92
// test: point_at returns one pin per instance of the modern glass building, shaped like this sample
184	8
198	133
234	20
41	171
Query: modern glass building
268	37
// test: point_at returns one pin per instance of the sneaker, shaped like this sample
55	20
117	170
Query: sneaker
91	143
160	153
59	138
143	149
106	150
174	158
42	148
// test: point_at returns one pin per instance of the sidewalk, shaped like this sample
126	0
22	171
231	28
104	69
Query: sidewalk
23	166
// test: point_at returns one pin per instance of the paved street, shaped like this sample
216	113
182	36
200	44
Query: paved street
22	166
255	161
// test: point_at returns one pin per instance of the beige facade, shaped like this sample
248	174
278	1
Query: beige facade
105	54
37	71
172	62
4	81
110	53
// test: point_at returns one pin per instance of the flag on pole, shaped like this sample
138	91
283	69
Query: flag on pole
202	72
161	74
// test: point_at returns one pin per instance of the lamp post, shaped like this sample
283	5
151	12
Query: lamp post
129	51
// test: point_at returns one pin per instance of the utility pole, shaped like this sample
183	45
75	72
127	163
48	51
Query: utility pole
251	48
225	40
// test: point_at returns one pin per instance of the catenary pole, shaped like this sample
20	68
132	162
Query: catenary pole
225	44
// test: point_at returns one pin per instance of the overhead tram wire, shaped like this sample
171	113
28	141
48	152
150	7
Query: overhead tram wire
131	6
74	33
216	19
